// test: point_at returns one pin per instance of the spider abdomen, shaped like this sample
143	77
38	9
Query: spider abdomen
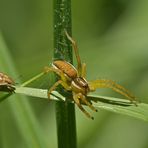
66	67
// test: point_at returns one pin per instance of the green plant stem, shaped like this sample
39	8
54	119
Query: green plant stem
65	112
33	79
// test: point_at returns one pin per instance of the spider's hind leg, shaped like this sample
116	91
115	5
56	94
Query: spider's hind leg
53	87
83	72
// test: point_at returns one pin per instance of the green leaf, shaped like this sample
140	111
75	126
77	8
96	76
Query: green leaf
23	114
116	105
121	106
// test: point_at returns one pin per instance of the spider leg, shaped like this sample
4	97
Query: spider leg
84	100
62	81
49	69
77	101
93	85
56	84
76	52
54	87
83	74
57	71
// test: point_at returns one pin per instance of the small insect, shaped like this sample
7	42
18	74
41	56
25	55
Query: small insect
74	80
6	83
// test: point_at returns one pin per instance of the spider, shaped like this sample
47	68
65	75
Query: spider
74	80
6	83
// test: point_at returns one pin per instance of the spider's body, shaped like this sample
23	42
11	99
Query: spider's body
6	83
68	69
76	83
73	80
80	85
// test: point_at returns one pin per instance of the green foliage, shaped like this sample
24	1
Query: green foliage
21	111
116	105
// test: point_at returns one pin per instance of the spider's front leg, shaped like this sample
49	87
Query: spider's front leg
77	101
78	98
93	85
85	101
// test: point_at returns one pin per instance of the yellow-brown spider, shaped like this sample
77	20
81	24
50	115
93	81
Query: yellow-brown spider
73	80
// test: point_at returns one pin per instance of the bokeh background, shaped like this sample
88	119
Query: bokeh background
112	37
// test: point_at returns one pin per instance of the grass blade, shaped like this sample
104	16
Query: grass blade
116	105
23	114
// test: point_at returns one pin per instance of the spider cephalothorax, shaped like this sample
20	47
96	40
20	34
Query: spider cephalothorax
73	80
79	84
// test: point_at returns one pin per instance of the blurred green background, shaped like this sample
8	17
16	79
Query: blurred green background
112	37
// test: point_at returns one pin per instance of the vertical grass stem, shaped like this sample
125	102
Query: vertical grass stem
65	112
